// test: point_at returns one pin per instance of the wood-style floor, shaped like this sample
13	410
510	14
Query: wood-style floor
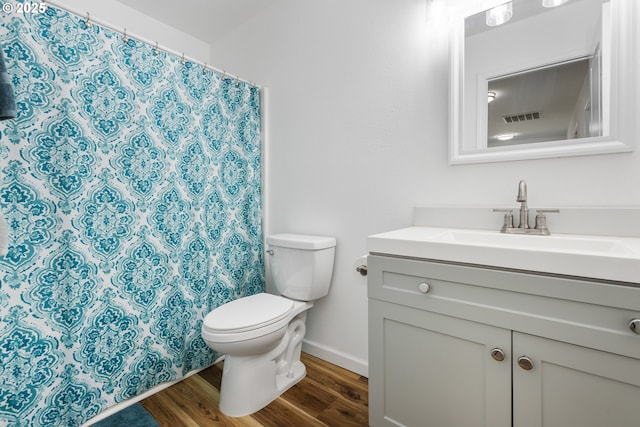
327	396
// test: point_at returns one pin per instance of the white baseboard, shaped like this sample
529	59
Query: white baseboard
336	357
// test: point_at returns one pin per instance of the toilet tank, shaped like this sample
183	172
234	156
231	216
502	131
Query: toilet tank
301	265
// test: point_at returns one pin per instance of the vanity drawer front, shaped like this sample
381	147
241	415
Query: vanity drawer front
559	308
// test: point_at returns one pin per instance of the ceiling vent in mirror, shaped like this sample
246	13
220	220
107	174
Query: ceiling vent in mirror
522	117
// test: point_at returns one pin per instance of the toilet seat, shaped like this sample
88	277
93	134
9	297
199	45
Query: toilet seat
260	312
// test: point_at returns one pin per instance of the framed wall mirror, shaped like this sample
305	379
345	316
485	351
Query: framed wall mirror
531	81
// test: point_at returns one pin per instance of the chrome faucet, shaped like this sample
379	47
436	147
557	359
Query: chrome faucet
540	227
524	210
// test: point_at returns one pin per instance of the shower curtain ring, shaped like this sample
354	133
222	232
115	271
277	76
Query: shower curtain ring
87	22
204	68
182	60
155	49
124	36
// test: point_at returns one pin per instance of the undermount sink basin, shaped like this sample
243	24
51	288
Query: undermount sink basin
599	257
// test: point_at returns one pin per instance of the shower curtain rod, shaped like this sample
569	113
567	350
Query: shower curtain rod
126	34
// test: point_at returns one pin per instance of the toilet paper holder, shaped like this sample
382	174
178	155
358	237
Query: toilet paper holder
362	269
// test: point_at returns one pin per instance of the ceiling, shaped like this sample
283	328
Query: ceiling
207	20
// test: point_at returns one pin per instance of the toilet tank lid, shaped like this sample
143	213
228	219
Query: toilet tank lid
301	241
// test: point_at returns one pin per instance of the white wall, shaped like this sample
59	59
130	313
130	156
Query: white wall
353	123
358	135
121	16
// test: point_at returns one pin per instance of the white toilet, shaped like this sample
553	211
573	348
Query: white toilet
261	335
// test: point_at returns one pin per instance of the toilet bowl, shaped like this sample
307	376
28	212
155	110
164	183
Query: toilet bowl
260	342
261	335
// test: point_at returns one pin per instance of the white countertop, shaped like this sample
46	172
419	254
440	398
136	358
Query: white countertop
608	258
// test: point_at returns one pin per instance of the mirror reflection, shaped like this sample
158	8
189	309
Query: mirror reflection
551	103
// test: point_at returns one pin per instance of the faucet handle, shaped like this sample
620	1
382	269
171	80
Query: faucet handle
508	218
541	219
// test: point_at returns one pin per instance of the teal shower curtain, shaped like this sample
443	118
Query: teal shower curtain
130	183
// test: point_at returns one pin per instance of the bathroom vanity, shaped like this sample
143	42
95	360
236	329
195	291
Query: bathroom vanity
477	328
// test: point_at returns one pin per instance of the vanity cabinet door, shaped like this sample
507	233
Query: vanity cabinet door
570	385
427	369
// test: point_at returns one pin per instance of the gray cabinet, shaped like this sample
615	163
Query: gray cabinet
456	345
427	369
572	385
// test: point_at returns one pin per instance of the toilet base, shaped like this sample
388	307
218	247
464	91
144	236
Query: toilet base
249	385
285	381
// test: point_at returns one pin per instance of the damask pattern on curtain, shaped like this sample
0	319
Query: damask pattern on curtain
130	183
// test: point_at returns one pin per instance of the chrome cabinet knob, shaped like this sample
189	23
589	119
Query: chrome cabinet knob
634	325
424	287
497	354
525	363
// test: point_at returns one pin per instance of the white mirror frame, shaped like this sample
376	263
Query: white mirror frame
620	100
